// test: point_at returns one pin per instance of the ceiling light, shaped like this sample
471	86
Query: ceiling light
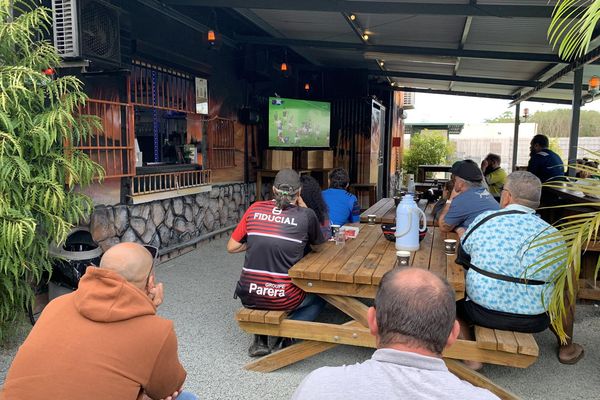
365	36
352	17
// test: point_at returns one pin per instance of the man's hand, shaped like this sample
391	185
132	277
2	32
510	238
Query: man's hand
454	194
484	165
156	292
172	396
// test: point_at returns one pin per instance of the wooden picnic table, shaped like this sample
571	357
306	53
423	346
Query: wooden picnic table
385	211
343	274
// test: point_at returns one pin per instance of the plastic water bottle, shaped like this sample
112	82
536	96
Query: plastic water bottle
408	217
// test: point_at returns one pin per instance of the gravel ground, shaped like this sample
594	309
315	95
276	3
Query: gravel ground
199	288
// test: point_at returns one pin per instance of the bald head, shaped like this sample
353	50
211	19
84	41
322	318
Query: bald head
130	260
416	308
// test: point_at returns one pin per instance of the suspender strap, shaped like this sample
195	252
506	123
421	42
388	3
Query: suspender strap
494	275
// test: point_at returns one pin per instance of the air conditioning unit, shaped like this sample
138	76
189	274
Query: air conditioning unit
408	100
87	29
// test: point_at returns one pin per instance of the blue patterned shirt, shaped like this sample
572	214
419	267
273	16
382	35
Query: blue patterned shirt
501	245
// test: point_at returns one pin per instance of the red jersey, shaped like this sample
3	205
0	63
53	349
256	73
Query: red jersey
275	240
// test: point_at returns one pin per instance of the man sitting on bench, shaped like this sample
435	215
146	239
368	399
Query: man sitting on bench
274	235
413	320
502	291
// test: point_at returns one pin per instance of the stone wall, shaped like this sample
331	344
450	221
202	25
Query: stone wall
167	223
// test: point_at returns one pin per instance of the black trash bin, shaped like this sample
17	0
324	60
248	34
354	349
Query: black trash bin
78	252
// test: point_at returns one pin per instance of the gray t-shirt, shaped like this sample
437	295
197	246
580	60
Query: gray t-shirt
389	374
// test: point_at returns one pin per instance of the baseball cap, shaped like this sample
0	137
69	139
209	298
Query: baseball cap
287	180
467	170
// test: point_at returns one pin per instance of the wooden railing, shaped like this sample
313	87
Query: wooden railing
221	143
111	147
169	181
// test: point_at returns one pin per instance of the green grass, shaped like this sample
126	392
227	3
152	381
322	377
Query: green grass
298	123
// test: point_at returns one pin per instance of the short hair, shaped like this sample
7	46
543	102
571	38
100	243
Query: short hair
313	198
525	188
471	184
494	158
415	315
542	140
338	178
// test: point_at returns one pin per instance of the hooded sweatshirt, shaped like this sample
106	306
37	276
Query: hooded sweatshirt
103	341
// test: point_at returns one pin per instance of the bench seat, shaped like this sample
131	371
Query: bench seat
507	341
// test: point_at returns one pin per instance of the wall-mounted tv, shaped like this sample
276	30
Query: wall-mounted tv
298	123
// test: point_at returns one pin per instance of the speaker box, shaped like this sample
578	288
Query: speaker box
248	116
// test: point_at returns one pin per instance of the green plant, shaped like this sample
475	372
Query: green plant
572	26
39	169
427	148
577	232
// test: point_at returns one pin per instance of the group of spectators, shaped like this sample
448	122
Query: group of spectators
106	340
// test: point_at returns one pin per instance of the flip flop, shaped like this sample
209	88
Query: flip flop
573	360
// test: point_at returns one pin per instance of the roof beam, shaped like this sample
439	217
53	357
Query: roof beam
468	79
461	45
464	93
379	7
483	54
586	59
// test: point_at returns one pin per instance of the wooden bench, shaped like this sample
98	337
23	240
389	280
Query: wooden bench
506	341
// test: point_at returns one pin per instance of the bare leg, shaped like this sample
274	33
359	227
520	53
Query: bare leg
570	352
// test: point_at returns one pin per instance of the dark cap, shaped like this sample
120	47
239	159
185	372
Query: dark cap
467	170
287	180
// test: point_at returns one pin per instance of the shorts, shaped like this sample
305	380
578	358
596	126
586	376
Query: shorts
475	314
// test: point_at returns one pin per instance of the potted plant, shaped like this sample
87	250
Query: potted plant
39	167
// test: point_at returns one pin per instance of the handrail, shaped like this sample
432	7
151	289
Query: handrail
169	181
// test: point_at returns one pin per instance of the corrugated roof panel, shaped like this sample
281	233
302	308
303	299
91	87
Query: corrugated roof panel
411	30
509	34
309	25
499	68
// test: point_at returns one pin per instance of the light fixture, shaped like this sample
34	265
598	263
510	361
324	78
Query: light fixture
594	85
307	86
525	114
365	36
381	63
48	71
284	67
211	37
352	17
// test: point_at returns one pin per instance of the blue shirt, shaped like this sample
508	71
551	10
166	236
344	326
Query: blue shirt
468	205
502	245
343	206
546	165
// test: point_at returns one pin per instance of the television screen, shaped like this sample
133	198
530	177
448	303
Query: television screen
298	123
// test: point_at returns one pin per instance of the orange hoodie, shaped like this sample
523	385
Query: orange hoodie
103	341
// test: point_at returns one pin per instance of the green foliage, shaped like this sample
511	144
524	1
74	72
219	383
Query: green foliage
38	168
572	26
427	148
557	123
577	232
506	116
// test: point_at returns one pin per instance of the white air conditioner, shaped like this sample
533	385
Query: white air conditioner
408	100
87	29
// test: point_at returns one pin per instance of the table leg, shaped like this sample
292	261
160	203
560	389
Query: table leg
350	306
476	379
289	355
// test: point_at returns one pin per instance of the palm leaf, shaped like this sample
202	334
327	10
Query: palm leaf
572	26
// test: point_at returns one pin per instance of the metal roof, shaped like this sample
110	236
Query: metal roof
452	43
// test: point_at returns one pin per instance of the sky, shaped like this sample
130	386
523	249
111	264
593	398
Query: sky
471	110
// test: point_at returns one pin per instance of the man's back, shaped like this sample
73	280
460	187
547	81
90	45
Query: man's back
389	374
546	165
343	206
468	205
501	245
103	341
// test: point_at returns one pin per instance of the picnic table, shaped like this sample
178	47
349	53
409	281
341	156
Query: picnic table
343	274
385	211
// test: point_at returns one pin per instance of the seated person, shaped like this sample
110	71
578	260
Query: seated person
103	341
468	199
498	296
413	320
275	234
494	174
343	206
312	197
543	162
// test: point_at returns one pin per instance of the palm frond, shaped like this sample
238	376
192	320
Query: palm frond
572	26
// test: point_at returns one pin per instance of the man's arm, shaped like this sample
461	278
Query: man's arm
233	246
237	242
168	375
450	224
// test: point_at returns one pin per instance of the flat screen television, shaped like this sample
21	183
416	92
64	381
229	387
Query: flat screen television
299	123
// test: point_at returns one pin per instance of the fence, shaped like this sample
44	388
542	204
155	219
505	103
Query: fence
169	181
